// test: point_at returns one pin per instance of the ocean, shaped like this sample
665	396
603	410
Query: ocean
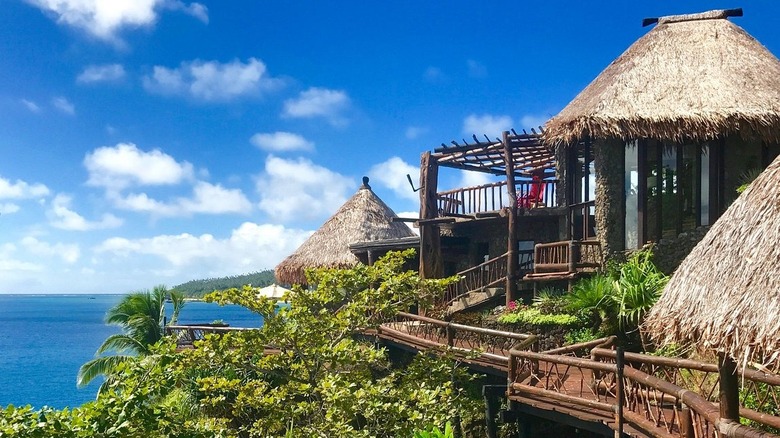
44	339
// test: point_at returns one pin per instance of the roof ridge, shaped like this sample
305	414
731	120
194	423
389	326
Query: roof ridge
716	14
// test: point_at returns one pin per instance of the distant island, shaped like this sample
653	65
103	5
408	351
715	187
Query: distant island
198	288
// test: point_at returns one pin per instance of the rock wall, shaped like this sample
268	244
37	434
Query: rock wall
669	253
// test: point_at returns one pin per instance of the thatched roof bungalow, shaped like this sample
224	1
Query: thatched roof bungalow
670	125
363	218
725	295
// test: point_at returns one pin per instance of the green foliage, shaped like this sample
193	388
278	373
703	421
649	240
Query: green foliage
435	432
140	315
746	178
533	316
199	288
616	303
320	380
759	397
579	336
638	288
550	301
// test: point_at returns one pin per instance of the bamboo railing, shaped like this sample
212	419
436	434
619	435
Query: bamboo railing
472	344
567	256
469	201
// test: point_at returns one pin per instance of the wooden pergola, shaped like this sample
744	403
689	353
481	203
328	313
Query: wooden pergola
513	156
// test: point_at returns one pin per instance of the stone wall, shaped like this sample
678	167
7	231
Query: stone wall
669	253
609	160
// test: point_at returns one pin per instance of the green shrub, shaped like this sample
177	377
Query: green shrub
533	316
550	301
579	336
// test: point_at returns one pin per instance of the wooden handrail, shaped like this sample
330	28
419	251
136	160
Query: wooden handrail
468	201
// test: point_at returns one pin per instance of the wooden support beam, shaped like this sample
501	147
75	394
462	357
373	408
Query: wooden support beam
431	265
728	393
511	259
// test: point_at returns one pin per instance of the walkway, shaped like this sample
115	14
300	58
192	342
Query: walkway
585	384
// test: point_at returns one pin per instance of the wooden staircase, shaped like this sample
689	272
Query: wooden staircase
483	283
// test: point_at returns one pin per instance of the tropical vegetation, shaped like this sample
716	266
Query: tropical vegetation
141	316
199	288
305	373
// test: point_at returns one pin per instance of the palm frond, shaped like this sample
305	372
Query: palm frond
99	366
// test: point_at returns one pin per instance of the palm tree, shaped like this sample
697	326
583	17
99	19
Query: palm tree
141	316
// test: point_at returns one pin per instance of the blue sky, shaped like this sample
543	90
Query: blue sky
153	142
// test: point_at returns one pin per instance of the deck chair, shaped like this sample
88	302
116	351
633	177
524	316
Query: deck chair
535	195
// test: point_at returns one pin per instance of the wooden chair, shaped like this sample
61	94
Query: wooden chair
535	195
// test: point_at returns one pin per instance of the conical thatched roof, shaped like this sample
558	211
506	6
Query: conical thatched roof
726	294
364	217
693	77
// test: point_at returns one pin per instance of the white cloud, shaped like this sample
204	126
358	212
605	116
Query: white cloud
61	216
472	179
8	208
487	124
392	174
318	102
30	105
206	199
281	142
533	121
101	73
413	132
197	10
63	105
433	74
299	189
476	69
250	247
69	253
212	81
21	189
104	19
117	167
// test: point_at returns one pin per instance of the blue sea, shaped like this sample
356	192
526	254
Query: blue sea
44	339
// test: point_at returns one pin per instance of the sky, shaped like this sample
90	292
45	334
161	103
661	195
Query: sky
147	142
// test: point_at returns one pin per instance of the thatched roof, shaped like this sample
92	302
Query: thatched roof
726	294
693	77
364	217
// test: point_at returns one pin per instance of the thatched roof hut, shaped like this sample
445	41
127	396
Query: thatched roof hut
693	77
364	217
726	293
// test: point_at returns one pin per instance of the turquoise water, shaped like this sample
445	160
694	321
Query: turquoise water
44	339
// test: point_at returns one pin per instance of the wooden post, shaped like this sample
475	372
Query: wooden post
450	335
511	259
620	362
430	238
729	388
686	423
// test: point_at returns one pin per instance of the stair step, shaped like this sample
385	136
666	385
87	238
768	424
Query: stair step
474	298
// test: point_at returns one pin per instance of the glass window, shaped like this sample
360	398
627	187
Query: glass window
631	189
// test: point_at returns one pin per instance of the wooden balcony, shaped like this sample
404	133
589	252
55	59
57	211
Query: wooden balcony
565	260
491	198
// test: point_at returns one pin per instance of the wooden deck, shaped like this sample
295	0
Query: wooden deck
589	386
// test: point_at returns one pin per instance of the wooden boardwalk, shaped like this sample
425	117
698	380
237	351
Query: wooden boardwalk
590	386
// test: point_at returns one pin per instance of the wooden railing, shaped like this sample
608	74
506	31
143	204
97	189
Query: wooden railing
485	275
469	201
567	256
475	344
582	226
762	389
185	335
659	396
488	274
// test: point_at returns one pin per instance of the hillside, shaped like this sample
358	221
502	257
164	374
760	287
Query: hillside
198	288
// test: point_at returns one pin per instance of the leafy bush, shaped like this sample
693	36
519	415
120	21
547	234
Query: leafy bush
579	336
550	301
533	316
616	303
320	380
435	432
